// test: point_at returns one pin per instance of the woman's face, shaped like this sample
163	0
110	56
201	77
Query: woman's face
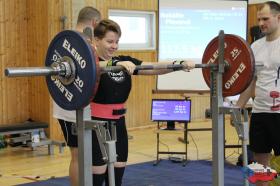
107	46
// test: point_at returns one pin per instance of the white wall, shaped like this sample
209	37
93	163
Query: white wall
260	1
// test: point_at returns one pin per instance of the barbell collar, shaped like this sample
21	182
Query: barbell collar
31	71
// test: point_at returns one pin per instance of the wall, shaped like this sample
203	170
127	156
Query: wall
14	99
26	28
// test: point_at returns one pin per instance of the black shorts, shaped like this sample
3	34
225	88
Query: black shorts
264	133
69	130
70	135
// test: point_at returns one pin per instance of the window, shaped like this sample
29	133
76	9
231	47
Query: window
138	29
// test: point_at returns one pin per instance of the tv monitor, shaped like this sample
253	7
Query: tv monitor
171	110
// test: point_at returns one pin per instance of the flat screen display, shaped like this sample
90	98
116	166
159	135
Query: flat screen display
171	110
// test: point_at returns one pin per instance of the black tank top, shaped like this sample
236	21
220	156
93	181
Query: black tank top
114	87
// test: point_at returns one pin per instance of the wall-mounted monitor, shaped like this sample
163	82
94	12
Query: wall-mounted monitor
171	110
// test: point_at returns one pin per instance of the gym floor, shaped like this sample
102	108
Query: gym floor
22	165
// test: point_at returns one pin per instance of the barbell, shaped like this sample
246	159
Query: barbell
72	68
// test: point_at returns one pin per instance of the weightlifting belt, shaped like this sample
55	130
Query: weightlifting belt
108	111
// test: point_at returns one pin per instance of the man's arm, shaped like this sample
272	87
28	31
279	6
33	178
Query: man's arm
247	94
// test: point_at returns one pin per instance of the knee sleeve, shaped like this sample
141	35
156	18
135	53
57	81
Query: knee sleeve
98	179
118	176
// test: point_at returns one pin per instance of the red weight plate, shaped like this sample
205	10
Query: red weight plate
239	56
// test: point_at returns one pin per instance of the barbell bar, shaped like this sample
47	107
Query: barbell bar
72	68
31	71
45	71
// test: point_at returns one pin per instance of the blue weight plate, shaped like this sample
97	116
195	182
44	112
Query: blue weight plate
78	94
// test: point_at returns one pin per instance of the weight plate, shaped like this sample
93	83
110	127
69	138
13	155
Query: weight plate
241	64
79	93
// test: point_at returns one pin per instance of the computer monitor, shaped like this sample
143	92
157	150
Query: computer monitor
171	110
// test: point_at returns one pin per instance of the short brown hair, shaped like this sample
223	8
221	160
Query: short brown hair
274	6
87	14
106	25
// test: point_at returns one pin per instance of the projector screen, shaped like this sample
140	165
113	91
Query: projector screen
185	29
